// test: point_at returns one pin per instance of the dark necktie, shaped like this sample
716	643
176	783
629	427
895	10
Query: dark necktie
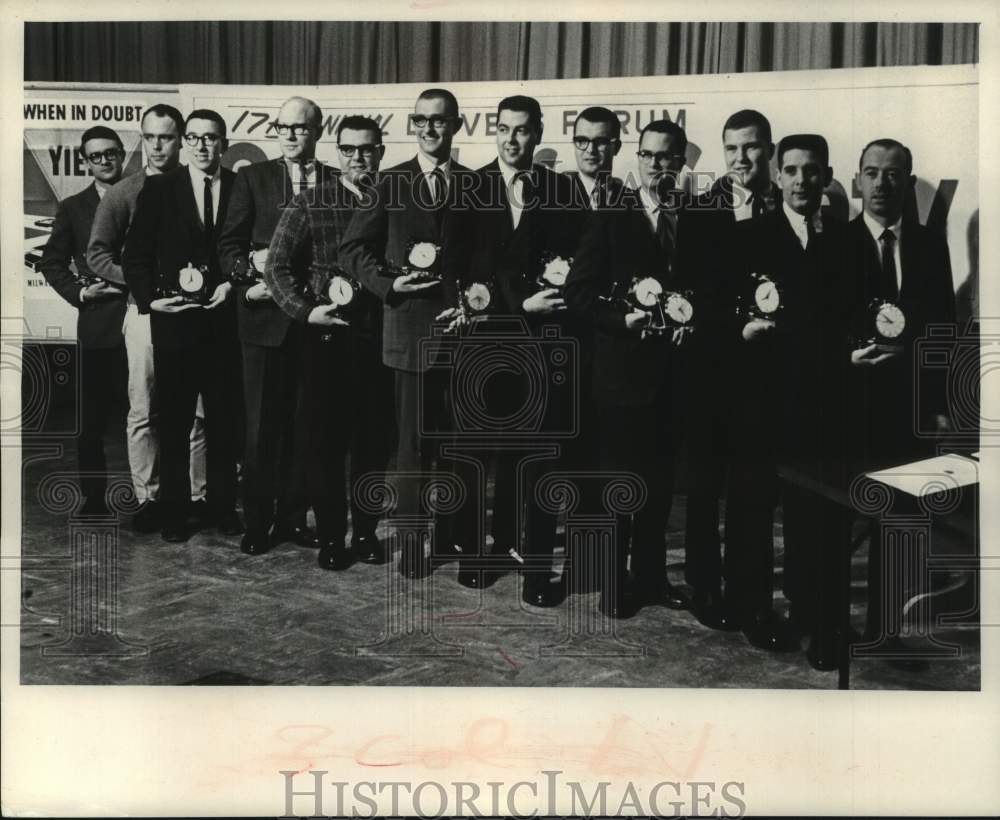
810	234
209	210
440	192
599	196
756	205
890	288
665	234
303	181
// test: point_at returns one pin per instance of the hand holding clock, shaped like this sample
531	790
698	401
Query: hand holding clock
873	355
756	328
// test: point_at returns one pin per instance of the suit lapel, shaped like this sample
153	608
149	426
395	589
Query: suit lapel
909	258
186	203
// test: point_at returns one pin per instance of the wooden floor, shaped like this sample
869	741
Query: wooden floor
203	613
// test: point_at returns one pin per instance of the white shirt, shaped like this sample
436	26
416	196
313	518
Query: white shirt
428	167
590	186
198	185
102	189
876	231
742	204
350	186
798	223
653	210
515	190
295	173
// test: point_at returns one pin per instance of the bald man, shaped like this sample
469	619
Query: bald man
273	502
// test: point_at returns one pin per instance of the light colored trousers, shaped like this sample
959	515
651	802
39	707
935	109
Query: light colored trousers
140	427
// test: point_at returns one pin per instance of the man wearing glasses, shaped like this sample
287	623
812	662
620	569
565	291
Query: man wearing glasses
414	205
171	264
101	306
162	126
345	403
596	143
271	343
632	240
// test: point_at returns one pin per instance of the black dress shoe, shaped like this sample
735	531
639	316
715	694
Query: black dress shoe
768	630
254	544
664	594
295	534
544	592
147	517
616	606
822	654
471	578
709	607
228	523
199	516
367	549
175	532
334	555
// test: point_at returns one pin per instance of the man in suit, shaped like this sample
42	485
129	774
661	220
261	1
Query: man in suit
634	239
797	365
101	306
171	251
720	424
900	261
522	216
415	201
596	143
271	342
162	126
345	392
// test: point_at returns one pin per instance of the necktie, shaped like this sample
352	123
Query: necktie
810	233
889	285
665	234
598	197
209	210
303	181
756	205
440	188
516	194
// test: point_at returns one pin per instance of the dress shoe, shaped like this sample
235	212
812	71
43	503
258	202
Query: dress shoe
147	517
94	508
295	534
367	549
501	564
768	630
228	523
199	516
616	606
709	607
254	543
334	555
471	578
664	594
175	532
822	653
544	592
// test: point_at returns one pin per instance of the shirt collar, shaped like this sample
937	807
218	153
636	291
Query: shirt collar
152	170
309	166
589	183
350	186
198	176
101	187
510	174
650	204
877	230
429	167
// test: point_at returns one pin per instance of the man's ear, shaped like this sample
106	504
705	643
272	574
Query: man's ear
225	145
827	176
770	151
616	147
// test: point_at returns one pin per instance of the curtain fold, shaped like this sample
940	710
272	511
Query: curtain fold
321	53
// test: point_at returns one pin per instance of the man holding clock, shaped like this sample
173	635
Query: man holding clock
172	267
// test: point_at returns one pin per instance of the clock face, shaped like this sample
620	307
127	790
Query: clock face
647	291
766	297
190	279
478	296
423	255
258	259
556	271
889	321
341	292
679	309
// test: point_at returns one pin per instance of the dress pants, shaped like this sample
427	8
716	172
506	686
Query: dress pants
102	384
345	409
210	368
638	439
141	422
270	396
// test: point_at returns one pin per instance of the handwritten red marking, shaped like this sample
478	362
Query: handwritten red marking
507	658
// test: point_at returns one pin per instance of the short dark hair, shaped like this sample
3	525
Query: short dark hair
598	113
206	114
667	127
526	105
100	132
440	94
358	122
888	144
748	118
164	110
804	142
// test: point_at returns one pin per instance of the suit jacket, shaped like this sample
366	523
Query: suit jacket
893	402
166	235
618	244
99	323
260	194
512	258
305	251
376	246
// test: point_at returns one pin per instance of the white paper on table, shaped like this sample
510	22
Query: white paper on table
932	475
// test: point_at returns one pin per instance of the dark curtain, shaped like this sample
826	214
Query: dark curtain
310	53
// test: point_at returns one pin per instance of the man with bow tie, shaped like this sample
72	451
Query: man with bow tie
271	343
631	240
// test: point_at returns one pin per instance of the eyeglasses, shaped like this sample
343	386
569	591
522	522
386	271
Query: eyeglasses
368	150
204	139
107	156
660	156
420	121
284	129
599	143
